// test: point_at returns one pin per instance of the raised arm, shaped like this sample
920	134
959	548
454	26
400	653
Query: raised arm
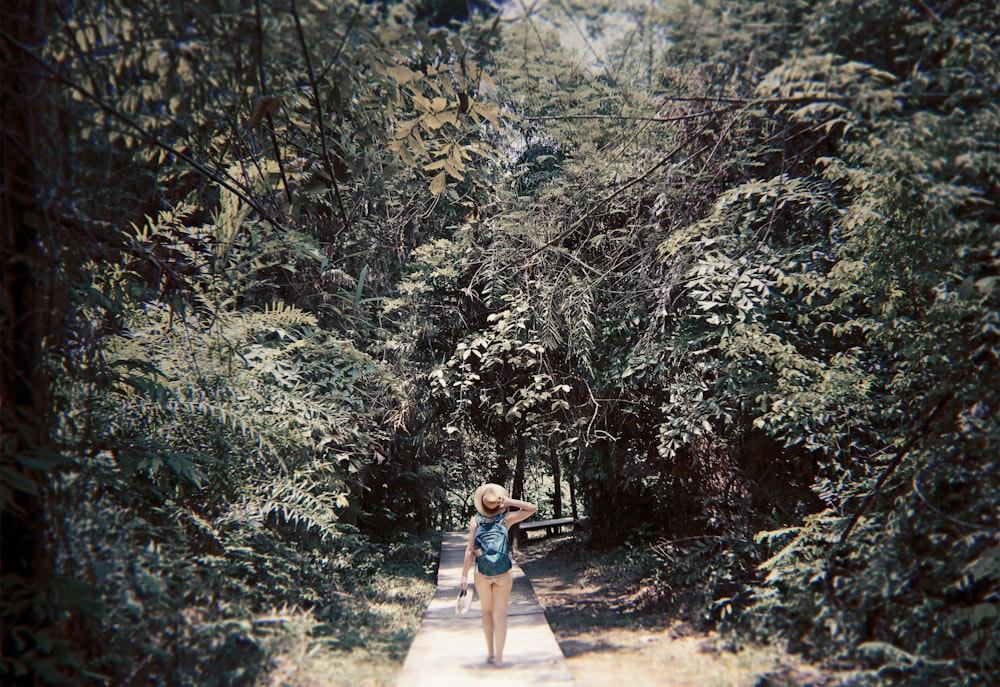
526	510
470	553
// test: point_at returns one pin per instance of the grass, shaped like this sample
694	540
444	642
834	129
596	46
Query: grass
615	629
364	643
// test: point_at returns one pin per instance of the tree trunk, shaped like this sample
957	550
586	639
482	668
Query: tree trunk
517	489
557	478
27	276
572	492
604	496
502	471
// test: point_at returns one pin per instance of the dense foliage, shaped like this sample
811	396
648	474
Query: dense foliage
182	473
284	281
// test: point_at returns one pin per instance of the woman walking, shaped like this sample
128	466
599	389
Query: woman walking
489	547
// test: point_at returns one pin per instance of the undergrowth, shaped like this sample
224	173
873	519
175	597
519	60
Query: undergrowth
367	640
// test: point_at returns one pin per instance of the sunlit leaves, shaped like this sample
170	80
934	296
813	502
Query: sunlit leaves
438	184
441	119
502	370
834	91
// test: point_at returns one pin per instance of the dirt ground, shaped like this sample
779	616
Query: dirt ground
591	604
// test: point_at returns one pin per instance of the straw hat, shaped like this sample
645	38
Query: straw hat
488	499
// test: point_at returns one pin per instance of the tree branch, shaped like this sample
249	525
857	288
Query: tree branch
318	105
221	179
927	97
263	92
343	42
575	225
893	465
638	118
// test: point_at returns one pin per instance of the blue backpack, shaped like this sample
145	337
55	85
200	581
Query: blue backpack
492	539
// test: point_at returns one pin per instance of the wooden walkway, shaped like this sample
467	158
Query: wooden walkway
450	650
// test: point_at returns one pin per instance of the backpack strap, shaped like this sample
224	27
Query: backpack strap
483	520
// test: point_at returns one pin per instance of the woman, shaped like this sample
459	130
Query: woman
489	546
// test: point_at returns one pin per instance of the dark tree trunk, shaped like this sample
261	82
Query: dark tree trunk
517	489
557	478
501	473
572	496
605	496
23	411
27	279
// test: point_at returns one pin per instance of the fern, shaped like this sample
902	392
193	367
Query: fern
302	500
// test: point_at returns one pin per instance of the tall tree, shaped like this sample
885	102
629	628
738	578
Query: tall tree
32	309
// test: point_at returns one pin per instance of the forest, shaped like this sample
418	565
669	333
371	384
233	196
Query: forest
285	280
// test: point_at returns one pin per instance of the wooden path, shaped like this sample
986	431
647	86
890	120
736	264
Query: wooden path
450	650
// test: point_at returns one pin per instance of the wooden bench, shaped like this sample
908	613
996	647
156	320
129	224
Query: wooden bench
551	527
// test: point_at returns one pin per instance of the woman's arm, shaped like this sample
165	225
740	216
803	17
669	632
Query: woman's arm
526	510
470	553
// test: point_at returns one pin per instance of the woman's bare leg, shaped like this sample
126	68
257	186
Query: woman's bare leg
501	597
485	590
